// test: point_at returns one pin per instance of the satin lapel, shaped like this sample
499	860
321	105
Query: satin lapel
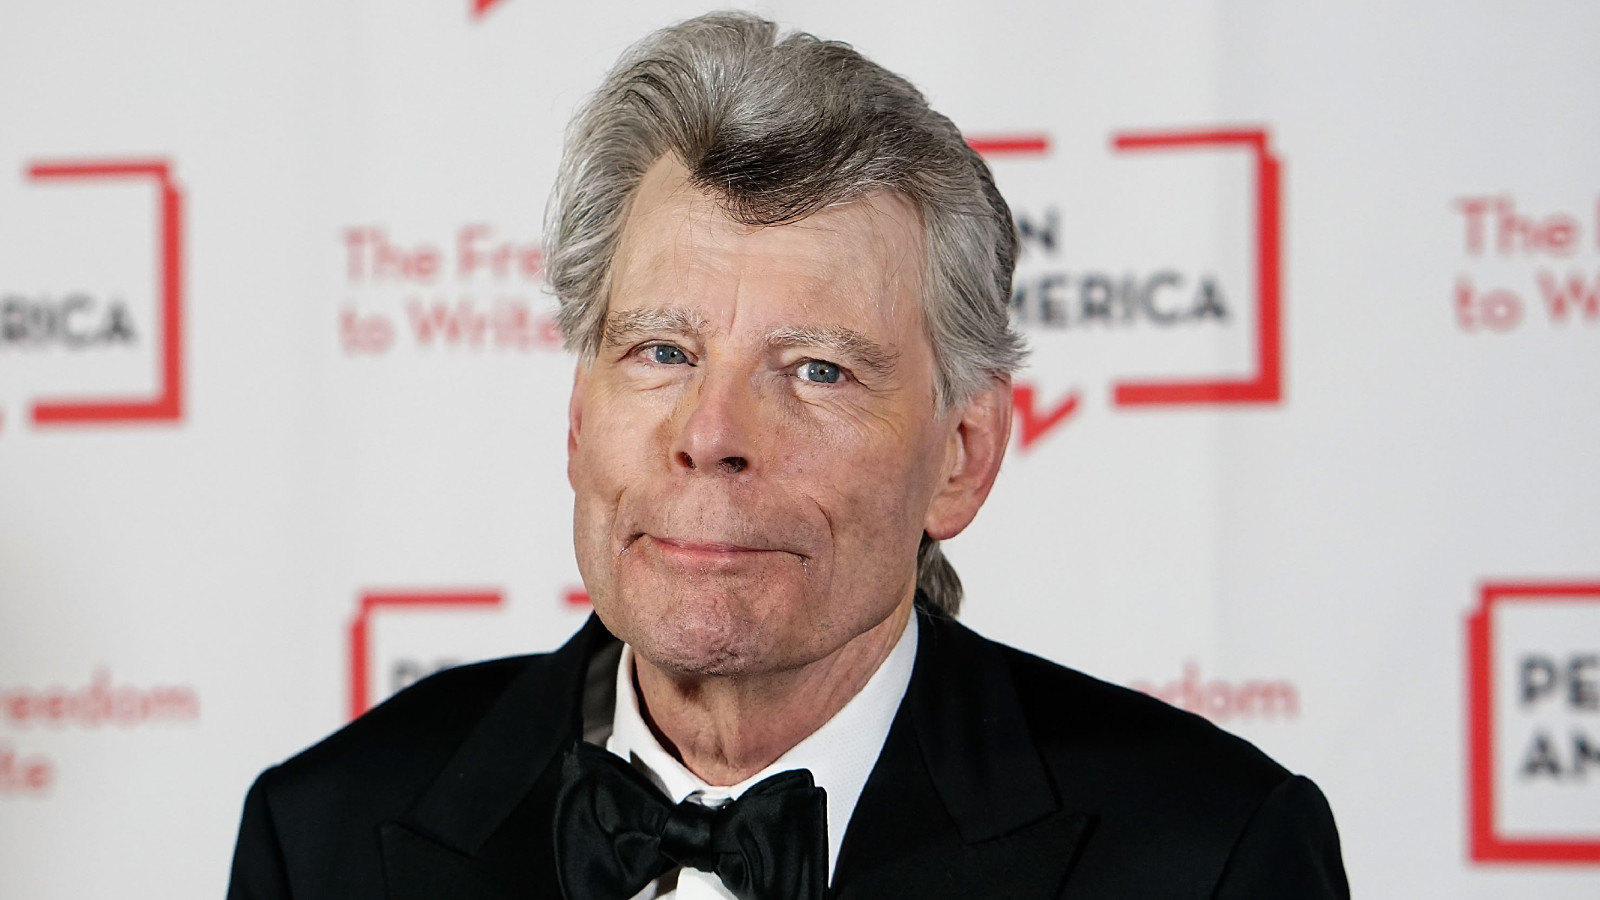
959	803
482	829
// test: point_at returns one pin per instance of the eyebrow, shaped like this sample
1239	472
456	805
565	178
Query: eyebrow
629	325
853	346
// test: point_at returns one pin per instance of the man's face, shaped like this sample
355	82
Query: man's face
755	448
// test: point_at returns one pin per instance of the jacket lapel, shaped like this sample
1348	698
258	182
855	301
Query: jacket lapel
482	829
959	803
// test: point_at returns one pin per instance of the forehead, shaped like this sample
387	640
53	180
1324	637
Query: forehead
862	259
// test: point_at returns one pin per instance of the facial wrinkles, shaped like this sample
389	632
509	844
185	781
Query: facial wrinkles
719	516
897	256
710	265
775	510
810	414
701	505
828	261
814	432
625	327
787	509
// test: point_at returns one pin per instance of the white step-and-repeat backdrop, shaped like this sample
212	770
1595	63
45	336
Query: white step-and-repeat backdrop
1310	442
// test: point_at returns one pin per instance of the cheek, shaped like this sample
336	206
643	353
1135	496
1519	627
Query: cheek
608	458
872	482
607	462
623	433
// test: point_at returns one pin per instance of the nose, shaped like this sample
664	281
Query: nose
718	436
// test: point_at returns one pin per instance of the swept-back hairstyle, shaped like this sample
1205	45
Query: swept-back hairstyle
778	127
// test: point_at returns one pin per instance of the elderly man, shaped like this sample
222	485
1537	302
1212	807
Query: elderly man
787	281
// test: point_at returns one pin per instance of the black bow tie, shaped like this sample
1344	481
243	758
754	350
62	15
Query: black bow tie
615	833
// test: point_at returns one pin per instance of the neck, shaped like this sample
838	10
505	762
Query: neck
725	729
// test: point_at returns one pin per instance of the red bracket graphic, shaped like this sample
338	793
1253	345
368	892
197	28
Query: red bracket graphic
167	405
1031	422
1266	386
360	692
1486	843
481	7
1010	144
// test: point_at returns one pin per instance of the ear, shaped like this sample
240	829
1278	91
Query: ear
575	416
977	446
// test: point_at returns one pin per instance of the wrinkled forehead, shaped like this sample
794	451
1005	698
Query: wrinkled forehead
680	242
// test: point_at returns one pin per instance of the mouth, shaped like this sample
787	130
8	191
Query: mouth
704	546
702	553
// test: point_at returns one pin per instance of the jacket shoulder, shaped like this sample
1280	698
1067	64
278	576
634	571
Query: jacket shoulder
440	758
409	736
1112	728
318	813
1172	795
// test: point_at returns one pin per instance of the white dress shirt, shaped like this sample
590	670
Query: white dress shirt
840	755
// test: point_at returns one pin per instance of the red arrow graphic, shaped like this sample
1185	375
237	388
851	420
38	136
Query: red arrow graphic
1033	424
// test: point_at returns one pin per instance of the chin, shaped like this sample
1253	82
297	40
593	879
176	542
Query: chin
701	629
710	659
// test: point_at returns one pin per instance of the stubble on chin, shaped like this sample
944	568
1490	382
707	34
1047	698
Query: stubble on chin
689	626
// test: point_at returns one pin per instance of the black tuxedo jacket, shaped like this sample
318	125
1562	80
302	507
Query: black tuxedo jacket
1003	775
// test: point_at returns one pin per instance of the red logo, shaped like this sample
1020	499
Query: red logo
377	601
405	671
482	7
167	403
1265	383
1533	697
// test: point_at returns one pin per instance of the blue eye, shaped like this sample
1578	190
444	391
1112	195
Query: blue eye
820	372
668	355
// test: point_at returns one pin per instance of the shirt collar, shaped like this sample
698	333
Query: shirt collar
840	754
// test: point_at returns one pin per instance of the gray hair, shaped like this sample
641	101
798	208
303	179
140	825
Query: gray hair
778	127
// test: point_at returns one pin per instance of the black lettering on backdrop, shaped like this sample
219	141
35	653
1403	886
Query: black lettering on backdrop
1541	677
1039	233
1583	682
1164	278
1541	758
1538	678
1544	757
1163	298
406	672
75	321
